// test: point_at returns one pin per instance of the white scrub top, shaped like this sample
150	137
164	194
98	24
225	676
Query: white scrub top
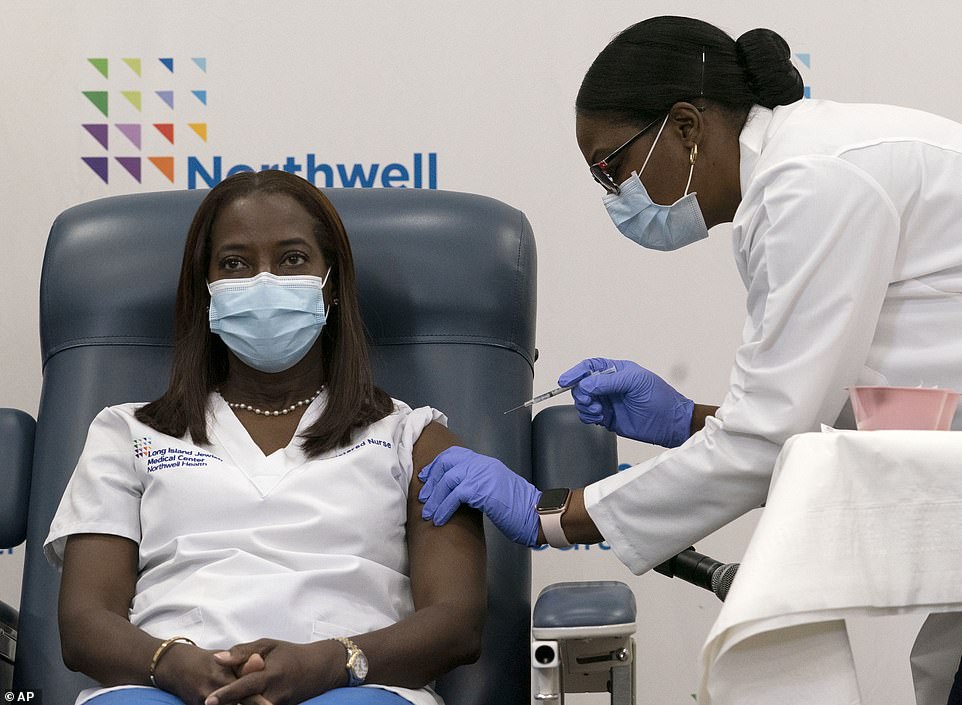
849	241
235	546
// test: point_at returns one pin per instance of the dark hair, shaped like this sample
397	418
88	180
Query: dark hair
200	357
658	62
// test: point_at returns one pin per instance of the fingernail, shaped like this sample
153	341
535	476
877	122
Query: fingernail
211	700
222	655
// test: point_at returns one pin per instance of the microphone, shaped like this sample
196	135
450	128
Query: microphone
700	570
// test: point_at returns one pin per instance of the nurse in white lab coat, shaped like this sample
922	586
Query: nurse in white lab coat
847	229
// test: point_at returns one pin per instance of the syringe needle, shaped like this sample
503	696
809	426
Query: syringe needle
557	390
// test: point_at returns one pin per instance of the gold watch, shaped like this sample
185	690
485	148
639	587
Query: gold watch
356	662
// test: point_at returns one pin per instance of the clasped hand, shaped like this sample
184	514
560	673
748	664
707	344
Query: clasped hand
262	672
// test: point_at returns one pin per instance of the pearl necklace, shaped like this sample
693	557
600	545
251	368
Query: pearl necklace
268	412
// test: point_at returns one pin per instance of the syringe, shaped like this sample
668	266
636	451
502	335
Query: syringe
559	390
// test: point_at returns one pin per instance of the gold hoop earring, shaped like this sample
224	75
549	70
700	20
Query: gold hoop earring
694	155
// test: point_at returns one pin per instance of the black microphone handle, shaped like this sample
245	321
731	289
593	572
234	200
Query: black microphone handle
694	568
700	570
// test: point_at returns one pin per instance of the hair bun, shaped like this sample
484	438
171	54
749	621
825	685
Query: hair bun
767	61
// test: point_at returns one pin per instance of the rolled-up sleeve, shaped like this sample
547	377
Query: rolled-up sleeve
819	240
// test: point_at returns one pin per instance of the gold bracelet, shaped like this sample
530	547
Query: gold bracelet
161	650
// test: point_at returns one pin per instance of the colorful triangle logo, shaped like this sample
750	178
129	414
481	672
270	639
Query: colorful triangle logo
102	65
200	128
134	65
99	99
167	97
201	62
132	165
99	133
165	165
134	98
168	63
130	130
99	166
166	129
201	96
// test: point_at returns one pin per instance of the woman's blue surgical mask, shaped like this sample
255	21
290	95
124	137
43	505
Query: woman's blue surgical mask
653	225
268	322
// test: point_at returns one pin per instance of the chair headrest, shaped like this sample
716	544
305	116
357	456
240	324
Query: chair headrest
433	266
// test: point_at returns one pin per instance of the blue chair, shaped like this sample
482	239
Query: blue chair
447	285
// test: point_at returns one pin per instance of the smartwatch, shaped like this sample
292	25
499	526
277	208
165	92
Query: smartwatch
551	507
356	662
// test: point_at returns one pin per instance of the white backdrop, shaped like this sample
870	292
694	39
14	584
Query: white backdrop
481	95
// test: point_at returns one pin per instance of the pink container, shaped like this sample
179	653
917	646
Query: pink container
907	408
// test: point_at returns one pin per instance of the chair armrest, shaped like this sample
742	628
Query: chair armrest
9	619
16	461
582	641
569	453
584	610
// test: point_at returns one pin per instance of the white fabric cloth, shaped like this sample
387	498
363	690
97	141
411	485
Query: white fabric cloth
849	241
235	546
856	524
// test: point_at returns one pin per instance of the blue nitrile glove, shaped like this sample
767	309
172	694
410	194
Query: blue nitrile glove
631	401
461	476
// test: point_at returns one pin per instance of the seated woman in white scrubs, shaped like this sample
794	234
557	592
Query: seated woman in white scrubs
253	536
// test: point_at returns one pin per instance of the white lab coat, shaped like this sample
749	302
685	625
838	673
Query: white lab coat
849	241
235	546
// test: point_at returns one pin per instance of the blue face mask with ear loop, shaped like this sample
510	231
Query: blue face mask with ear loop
651	224
269	322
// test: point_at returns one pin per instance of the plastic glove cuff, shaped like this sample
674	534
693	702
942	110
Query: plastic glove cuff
681	426
530	536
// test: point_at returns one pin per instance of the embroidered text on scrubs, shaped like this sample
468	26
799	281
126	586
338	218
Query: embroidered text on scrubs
365	442
167	458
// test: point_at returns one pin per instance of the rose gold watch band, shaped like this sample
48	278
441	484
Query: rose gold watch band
551	526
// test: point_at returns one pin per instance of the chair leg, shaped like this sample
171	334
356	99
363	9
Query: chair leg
546	673
622	684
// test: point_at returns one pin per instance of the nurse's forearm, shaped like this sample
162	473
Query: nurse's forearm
97	585
448	586
698	416
107	647
424	646
576	523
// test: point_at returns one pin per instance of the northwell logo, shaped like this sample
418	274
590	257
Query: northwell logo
144	114
422	173
135	114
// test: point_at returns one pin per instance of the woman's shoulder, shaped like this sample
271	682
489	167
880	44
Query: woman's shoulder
127	410
118	417
405	417
399	407
402	410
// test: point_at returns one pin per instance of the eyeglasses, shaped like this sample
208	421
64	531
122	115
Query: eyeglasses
599	170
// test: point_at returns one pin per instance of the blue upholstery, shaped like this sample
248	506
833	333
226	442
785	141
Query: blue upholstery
447	285
588	604
16	452
567	453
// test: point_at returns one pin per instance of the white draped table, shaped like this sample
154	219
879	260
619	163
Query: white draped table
857	524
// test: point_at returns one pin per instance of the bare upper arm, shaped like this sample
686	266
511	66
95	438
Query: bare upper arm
447	562
99	572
